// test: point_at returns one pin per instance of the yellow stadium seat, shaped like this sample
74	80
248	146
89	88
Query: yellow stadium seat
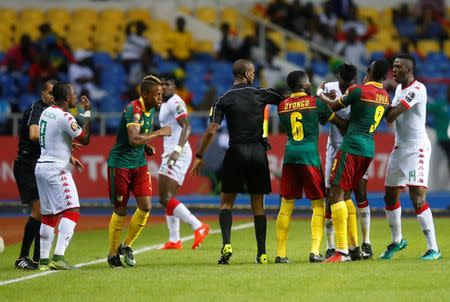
57	14
276	37
447	48
138	14
8	14
231	16
84	15
426	46
297	46
185	9
34	15
207	14
375	46
204	46
158	26
79	42
369	12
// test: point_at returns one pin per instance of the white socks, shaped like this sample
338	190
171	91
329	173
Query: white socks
65	232
425	218
186	216
363	211
394	215
47	234
173	223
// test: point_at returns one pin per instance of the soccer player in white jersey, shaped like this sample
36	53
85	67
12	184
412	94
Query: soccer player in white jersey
175	162
57	190
409	160
345	78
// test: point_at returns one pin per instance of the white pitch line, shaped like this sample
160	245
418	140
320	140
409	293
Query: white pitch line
138	251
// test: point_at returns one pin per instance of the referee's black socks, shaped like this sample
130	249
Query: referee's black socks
225	220
260	232
31	233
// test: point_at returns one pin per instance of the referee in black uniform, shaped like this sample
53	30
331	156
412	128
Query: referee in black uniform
27	156
245	166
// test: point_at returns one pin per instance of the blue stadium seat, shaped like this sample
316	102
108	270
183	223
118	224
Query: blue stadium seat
167	66
25	100
320	68
376	55
297	58
101	58
5	110
198	124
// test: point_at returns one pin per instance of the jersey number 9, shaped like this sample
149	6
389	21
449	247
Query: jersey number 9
379	111
297	126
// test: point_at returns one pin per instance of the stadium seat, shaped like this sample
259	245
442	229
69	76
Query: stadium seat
204	46
369	12
8	14
427	46
207	14
320	68
111	14
58	14
5	110
298	46
32	15
298	59
138	14
231	16
447	48
184	9
85	15
277	37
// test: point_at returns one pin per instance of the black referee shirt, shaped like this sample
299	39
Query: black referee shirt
29	150
243	107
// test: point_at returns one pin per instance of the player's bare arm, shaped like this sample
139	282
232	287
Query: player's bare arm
341	123
86	136
34	133
185	132
331	103
77	164
206	140
135	138
395	112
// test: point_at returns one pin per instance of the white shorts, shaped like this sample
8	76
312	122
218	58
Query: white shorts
178	171
332	149
57	190
409	165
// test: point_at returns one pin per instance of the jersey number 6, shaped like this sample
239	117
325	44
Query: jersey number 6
297	126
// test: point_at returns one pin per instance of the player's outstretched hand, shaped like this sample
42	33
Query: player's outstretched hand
85	102
165	131
77	164
195	170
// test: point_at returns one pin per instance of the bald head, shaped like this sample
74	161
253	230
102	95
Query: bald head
244	70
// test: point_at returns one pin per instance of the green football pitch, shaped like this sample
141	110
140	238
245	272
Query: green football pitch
189	275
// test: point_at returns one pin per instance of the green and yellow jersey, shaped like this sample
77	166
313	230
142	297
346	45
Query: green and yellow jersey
369	102
300	115
123	155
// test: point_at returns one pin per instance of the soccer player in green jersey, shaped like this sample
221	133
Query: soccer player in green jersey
127	169
300	115
369	102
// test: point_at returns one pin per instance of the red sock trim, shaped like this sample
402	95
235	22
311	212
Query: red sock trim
328	215
173	203
49	220
393	207
363	204
74	216
422	209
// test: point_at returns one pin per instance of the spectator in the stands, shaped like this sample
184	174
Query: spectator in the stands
437	7
278	12
342	8
300	17
59	52
328	17
20	56
430	28
250	49
352	49
138	70
135	45
181	43
354	23
405	23
228	47
40	72
84	77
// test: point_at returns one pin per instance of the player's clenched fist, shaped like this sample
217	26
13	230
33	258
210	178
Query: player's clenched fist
85	102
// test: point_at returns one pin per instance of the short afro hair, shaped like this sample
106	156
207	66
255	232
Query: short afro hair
61	90
347	72
380	69
148	82
295	78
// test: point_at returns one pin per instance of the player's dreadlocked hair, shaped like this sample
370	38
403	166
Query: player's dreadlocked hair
347	72
148	82
408	57
380	69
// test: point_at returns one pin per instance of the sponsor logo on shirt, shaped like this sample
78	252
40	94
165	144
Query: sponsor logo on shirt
74	126
410	96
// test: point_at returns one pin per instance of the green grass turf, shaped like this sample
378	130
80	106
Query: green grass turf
194	275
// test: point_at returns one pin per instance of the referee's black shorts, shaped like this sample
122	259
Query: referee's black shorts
246	169
25	179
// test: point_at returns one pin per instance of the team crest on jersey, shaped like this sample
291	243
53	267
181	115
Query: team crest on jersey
119	198
179	109
74	126
410	96
136	117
